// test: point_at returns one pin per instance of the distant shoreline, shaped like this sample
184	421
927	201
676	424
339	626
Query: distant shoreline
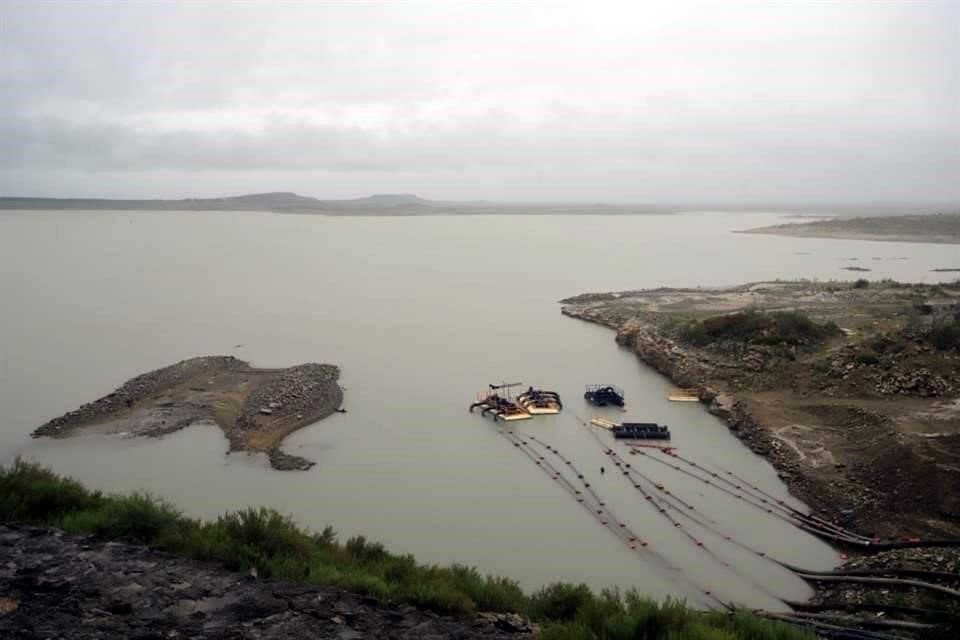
409	205
935	228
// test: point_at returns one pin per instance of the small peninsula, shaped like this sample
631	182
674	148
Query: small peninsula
256	408
943	228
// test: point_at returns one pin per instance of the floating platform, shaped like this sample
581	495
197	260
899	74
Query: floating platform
603	423
539	402
683	395
641	431
633	430
603	395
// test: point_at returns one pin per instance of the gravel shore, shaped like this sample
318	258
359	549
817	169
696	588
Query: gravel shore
256	408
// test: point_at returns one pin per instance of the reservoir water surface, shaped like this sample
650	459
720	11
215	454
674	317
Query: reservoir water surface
420	313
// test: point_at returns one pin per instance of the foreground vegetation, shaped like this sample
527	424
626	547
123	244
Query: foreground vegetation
273	545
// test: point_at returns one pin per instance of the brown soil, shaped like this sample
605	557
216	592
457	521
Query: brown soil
871	439
256	408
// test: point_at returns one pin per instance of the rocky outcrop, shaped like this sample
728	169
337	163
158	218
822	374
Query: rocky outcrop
256	408
56	585
139	388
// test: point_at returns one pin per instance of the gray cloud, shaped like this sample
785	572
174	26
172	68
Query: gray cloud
853	101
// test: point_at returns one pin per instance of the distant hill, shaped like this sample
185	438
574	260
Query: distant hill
273	201
386	200
251	202
408	204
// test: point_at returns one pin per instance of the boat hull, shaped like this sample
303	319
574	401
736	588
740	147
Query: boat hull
540	402
539	411
513	417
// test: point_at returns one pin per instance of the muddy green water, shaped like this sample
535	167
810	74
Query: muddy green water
420	313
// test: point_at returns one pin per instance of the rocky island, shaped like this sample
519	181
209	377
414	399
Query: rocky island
850	388
256	408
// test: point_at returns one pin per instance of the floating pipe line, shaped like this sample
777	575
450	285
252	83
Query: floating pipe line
596	509
570	464
780	510
811	523
626	470
899	573
880	624
831	531
768	499
832	630
633	541
686	512
901	582
932	614
619	461
808	516
787	518
815	530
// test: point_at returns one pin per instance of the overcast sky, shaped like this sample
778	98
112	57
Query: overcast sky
593	101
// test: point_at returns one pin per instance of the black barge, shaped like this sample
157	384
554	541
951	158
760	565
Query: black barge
641	431
602	395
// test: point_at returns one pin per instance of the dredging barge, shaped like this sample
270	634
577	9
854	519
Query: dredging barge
633	430
528	404
539	402
602	395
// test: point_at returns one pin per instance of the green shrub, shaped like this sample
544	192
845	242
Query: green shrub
260	538
567	631
559	601
945	335
861	283
30	493
867	357
137	517
489	593
776	328
695	333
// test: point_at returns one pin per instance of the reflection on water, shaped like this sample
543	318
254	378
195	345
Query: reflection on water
420	313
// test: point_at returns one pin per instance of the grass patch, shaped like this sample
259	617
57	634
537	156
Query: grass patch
274	545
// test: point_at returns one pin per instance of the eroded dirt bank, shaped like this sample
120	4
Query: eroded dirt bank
56	585
256	408
862	422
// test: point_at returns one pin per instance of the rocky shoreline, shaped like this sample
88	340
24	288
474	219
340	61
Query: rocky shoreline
256	408
863	429
864	438
58	585
685	370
